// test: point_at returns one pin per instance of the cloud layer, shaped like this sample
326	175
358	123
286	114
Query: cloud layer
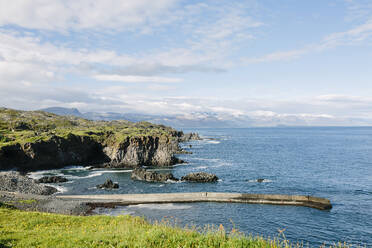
163	57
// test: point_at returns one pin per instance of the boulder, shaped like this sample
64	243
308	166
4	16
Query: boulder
108	185
151	176
189	136
52	179
200	177
12	181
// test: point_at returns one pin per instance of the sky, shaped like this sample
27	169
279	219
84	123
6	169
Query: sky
307	61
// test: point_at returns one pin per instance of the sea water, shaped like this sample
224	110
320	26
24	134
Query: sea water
330	162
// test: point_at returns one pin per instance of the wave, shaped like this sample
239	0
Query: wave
161	206
75	167
200	167
213	141
97	173
40	174
60	188
113	211
92	173
172	181
206	159
256	181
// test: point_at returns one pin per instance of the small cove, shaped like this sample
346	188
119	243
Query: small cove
331	162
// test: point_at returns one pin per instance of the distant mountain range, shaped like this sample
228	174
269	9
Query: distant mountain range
63	111
215	120
195	120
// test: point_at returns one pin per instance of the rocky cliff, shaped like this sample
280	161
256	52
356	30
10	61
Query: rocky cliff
24	145
147	150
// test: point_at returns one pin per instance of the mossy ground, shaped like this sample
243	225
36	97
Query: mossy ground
32	126
34	229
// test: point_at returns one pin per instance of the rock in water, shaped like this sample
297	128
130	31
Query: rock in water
189	136
151	176
108	185
200	177
14	182
52	179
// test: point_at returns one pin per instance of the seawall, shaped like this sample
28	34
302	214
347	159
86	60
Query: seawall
131	199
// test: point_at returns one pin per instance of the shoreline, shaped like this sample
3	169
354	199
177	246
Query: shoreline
85	204
193	197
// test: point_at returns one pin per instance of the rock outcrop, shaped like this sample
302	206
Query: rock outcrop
51	179
200	177
151	176
184	137
59	152
108	185
35	140
138	151
14	182
56	152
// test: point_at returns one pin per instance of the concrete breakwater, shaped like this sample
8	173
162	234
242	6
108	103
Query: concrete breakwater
131	199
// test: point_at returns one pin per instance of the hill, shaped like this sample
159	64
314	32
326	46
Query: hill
38	140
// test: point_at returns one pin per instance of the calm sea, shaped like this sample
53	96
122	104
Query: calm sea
331	162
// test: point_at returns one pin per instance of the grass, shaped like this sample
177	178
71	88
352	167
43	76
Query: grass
21	127
34	229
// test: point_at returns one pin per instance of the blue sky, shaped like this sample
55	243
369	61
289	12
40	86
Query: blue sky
307	61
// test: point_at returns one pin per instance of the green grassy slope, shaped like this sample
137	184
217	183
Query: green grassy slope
33	229
30	126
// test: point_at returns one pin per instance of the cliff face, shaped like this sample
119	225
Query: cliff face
77	150
54	153
137	151
39	140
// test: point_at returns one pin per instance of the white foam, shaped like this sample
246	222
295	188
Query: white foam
221	164
96	173
207	159
172	181
40	174
200	167
213	142
255	181
113	212
60	188
74	167
164	206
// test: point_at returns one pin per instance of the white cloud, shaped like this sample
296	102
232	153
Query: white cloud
345	100
136	79
64	15
352	36
278	56
355	35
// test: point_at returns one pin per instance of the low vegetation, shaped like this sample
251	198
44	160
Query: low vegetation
31	126
34	229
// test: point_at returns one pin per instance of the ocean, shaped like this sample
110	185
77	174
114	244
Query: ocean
330	162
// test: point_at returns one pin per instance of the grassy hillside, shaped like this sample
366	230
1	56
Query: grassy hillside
33	229
30	126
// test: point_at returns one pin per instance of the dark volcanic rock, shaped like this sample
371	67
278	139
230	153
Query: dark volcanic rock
200	177
151	176
56	152
14	182
136	151
189	136
52	179
108	185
